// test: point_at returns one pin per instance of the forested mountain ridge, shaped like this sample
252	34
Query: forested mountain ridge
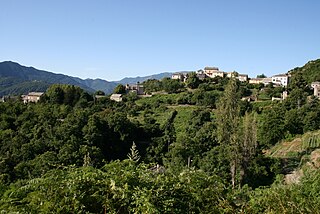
97	84
32	79
16	79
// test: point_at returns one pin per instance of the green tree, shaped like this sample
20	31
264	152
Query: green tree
261	76
171	85
228	123
249	144
192	80
119	89
271	126
152	85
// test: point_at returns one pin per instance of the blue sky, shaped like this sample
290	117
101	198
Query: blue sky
113	39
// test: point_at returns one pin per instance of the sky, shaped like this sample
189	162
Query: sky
113	39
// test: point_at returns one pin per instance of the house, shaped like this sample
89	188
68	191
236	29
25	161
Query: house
266	80
201	75
242	77
32	97
136	88
116	97
9	98
180	76
213	72
316	89
255	80
280	79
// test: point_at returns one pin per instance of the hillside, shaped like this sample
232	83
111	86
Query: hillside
310	71
174	152
298	155
17	79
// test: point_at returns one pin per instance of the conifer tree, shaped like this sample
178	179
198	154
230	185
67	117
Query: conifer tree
237	136
228	120
249	143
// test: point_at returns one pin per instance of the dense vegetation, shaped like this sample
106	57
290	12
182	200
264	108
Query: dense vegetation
193	148
310	71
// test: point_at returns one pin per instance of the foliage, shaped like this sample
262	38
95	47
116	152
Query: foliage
119	89
192	80
171	85
297	198
68	153
119	187
134	153
309	72
152	85
261	76
271	126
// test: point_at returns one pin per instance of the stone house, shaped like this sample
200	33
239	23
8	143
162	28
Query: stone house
135	88
316	89
255	80
213	72
180	76
32	97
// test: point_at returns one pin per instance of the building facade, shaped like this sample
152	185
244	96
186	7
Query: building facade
316	89
32	97
180	76
213	72
281	79
136	88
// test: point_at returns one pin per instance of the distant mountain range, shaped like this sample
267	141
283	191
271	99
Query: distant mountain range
17	79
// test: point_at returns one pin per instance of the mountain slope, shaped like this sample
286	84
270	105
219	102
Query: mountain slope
97	84
134	80
17	79
310	71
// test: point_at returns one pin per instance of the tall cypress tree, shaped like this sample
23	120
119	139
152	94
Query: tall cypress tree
228	120
237	136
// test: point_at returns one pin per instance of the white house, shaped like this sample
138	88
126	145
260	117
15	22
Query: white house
116	97
280	79
180	76
242	77
213	72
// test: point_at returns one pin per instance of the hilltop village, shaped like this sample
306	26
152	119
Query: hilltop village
279	80
212	72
